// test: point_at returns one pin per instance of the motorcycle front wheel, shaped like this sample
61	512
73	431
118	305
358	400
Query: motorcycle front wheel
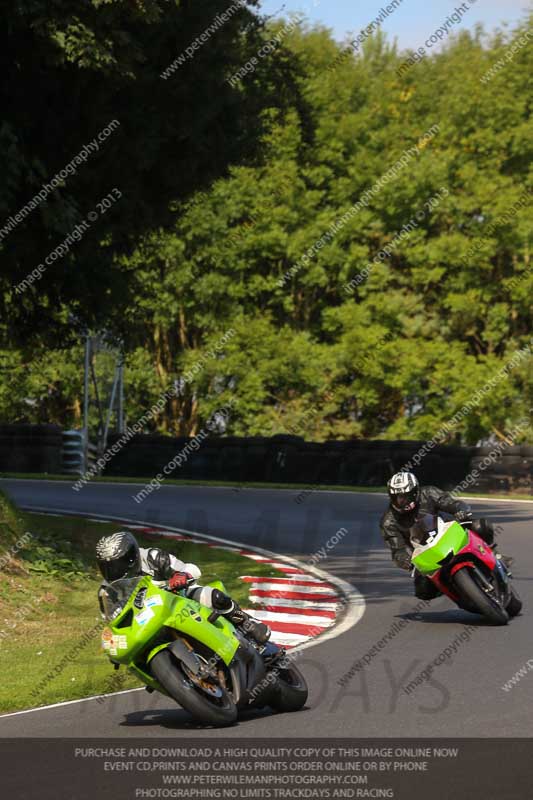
474	595
514	606
210	704
290	691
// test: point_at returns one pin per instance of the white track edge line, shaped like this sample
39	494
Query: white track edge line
69	703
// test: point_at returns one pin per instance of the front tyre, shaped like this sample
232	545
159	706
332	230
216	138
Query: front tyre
514	606
290	691
478	599
204	705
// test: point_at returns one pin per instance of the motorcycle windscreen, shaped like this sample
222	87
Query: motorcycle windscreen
115	596
449	538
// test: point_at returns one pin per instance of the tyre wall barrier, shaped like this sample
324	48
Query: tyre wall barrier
30	448
281	459
290	459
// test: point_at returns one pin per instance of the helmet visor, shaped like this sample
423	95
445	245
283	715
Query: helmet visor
123	566
405	502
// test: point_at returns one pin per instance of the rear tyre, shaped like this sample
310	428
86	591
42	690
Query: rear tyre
476	597
514	606
290	691
205	708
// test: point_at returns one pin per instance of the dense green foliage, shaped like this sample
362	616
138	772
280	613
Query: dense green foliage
316	350
73	68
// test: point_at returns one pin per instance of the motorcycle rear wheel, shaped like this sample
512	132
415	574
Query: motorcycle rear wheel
218	711
475	596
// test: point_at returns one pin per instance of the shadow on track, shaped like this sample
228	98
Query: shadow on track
179	719
450	617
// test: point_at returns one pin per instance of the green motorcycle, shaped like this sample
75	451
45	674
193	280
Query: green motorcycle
194	655
464	567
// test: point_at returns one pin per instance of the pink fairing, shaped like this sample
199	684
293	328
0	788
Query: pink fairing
478	550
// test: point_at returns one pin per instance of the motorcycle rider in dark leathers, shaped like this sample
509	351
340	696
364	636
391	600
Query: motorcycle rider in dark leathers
407	502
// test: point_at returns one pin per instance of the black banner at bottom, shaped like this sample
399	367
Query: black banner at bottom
300	769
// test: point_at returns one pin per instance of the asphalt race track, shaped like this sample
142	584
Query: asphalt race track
463	698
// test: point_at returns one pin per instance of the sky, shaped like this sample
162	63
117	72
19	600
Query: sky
412	22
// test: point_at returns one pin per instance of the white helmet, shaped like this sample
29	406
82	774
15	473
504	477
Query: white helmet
404	492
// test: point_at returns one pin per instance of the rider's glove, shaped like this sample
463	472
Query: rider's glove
179	581
463	516
402	559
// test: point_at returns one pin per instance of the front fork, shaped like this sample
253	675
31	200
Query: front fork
502	577
498	589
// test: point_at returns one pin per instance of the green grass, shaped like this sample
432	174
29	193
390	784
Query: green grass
43	615
11	523
511	496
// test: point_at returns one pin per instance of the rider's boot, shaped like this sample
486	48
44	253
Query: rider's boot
229	609
258	630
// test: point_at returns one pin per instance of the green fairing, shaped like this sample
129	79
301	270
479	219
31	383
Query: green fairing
162	610
426	558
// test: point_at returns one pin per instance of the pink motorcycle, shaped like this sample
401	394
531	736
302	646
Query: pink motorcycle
464	568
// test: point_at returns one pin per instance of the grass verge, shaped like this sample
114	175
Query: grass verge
49	617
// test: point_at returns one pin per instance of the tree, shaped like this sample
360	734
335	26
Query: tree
75	72
415	290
